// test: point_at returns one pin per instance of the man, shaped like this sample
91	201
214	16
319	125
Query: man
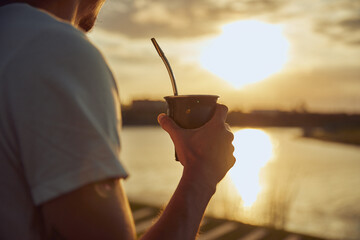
59	145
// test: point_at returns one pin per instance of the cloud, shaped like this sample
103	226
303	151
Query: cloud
177	19
340	21
346	30
340	81
325	89
351	24
337	19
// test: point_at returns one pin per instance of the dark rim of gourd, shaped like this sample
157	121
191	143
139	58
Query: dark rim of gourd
192	96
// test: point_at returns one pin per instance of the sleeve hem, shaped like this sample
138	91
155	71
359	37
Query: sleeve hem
57	187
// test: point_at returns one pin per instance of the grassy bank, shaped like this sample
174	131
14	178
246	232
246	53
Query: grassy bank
346	135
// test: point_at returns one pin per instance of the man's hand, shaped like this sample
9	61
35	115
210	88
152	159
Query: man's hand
206	152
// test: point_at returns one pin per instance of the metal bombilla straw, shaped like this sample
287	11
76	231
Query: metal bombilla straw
167	64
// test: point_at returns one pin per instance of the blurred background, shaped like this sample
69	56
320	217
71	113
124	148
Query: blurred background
289	70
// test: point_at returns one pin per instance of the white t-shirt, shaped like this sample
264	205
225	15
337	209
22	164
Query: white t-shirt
59	116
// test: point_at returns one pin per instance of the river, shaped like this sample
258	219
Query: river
280	179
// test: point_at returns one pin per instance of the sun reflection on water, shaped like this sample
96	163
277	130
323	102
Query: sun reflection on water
253	149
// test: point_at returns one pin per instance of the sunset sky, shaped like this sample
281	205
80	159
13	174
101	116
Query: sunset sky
255	54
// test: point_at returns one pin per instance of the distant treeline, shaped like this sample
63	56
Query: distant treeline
292	119
144	112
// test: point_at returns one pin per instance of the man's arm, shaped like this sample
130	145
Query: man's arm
87	214
206	154
93	213
182	216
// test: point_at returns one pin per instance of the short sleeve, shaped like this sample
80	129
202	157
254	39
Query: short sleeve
66	112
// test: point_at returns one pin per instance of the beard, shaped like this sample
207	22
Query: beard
87	22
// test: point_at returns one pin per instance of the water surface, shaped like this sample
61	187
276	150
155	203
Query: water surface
280	179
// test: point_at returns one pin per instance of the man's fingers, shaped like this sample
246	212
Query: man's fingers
167	124
227	126
220	113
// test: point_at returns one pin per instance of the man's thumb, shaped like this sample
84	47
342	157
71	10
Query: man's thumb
167	123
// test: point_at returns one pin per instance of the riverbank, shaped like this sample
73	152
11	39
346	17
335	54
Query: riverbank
346	135
216	229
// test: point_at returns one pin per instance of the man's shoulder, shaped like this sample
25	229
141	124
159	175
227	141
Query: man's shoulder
48	50
28	27
36	35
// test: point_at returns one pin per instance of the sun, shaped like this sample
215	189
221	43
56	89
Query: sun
246	52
